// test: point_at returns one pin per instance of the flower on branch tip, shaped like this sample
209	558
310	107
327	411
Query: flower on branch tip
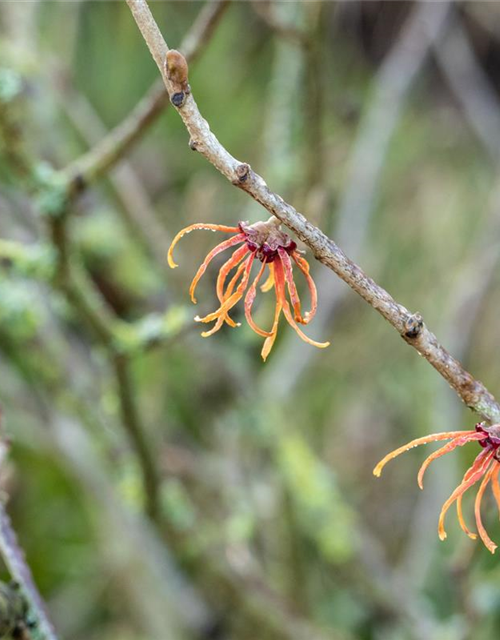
485	467
276	251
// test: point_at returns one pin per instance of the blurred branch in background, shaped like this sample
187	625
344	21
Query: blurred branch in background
165	603
139	213
29	615
470	86
134	554
285	29
111	148
35	620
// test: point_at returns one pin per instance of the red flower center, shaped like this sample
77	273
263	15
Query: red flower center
492	442
265	239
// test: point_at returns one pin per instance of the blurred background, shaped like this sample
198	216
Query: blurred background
165	486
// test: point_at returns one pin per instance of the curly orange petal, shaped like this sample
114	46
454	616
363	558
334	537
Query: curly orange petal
229	291
456	442
460	490
233	261
215	251
280	292
292	288
269	283
220	313
488	542
478	462
461	520
303	265
269	342
495	485
232	283
434	437
249	300
291	322
192	227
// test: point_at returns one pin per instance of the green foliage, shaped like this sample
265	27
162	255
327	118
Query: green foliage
105	246
321	507
10	84
19	315
52	195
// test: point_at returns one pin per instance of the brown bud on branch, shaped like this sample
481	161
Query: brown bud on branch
177	73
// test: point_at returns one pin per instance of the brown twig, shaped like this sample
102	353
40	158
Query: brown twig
13	557
119	140
410	326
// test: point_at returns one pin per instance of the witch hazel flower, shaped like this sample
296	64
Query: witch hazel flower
485	467
277	253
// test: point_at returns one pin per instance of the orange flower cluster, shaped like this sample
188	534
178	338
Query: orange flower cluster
486	466
276	251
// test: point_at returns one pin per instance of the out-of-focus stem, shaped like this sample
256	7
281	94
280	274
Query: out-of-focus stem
137	436
13	556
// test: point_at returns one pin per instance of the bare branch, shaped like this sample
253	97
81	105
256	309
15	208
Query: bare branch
410	326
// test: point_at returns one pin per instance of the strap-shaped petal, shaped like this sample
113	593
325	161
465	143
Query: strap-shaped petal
269	283
193	227
269	342
433	437
461	489
233	261
215	251
456	442
249	300
478	462
303	265
495	485
488	542
220	313
461	521
280	286
292	288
